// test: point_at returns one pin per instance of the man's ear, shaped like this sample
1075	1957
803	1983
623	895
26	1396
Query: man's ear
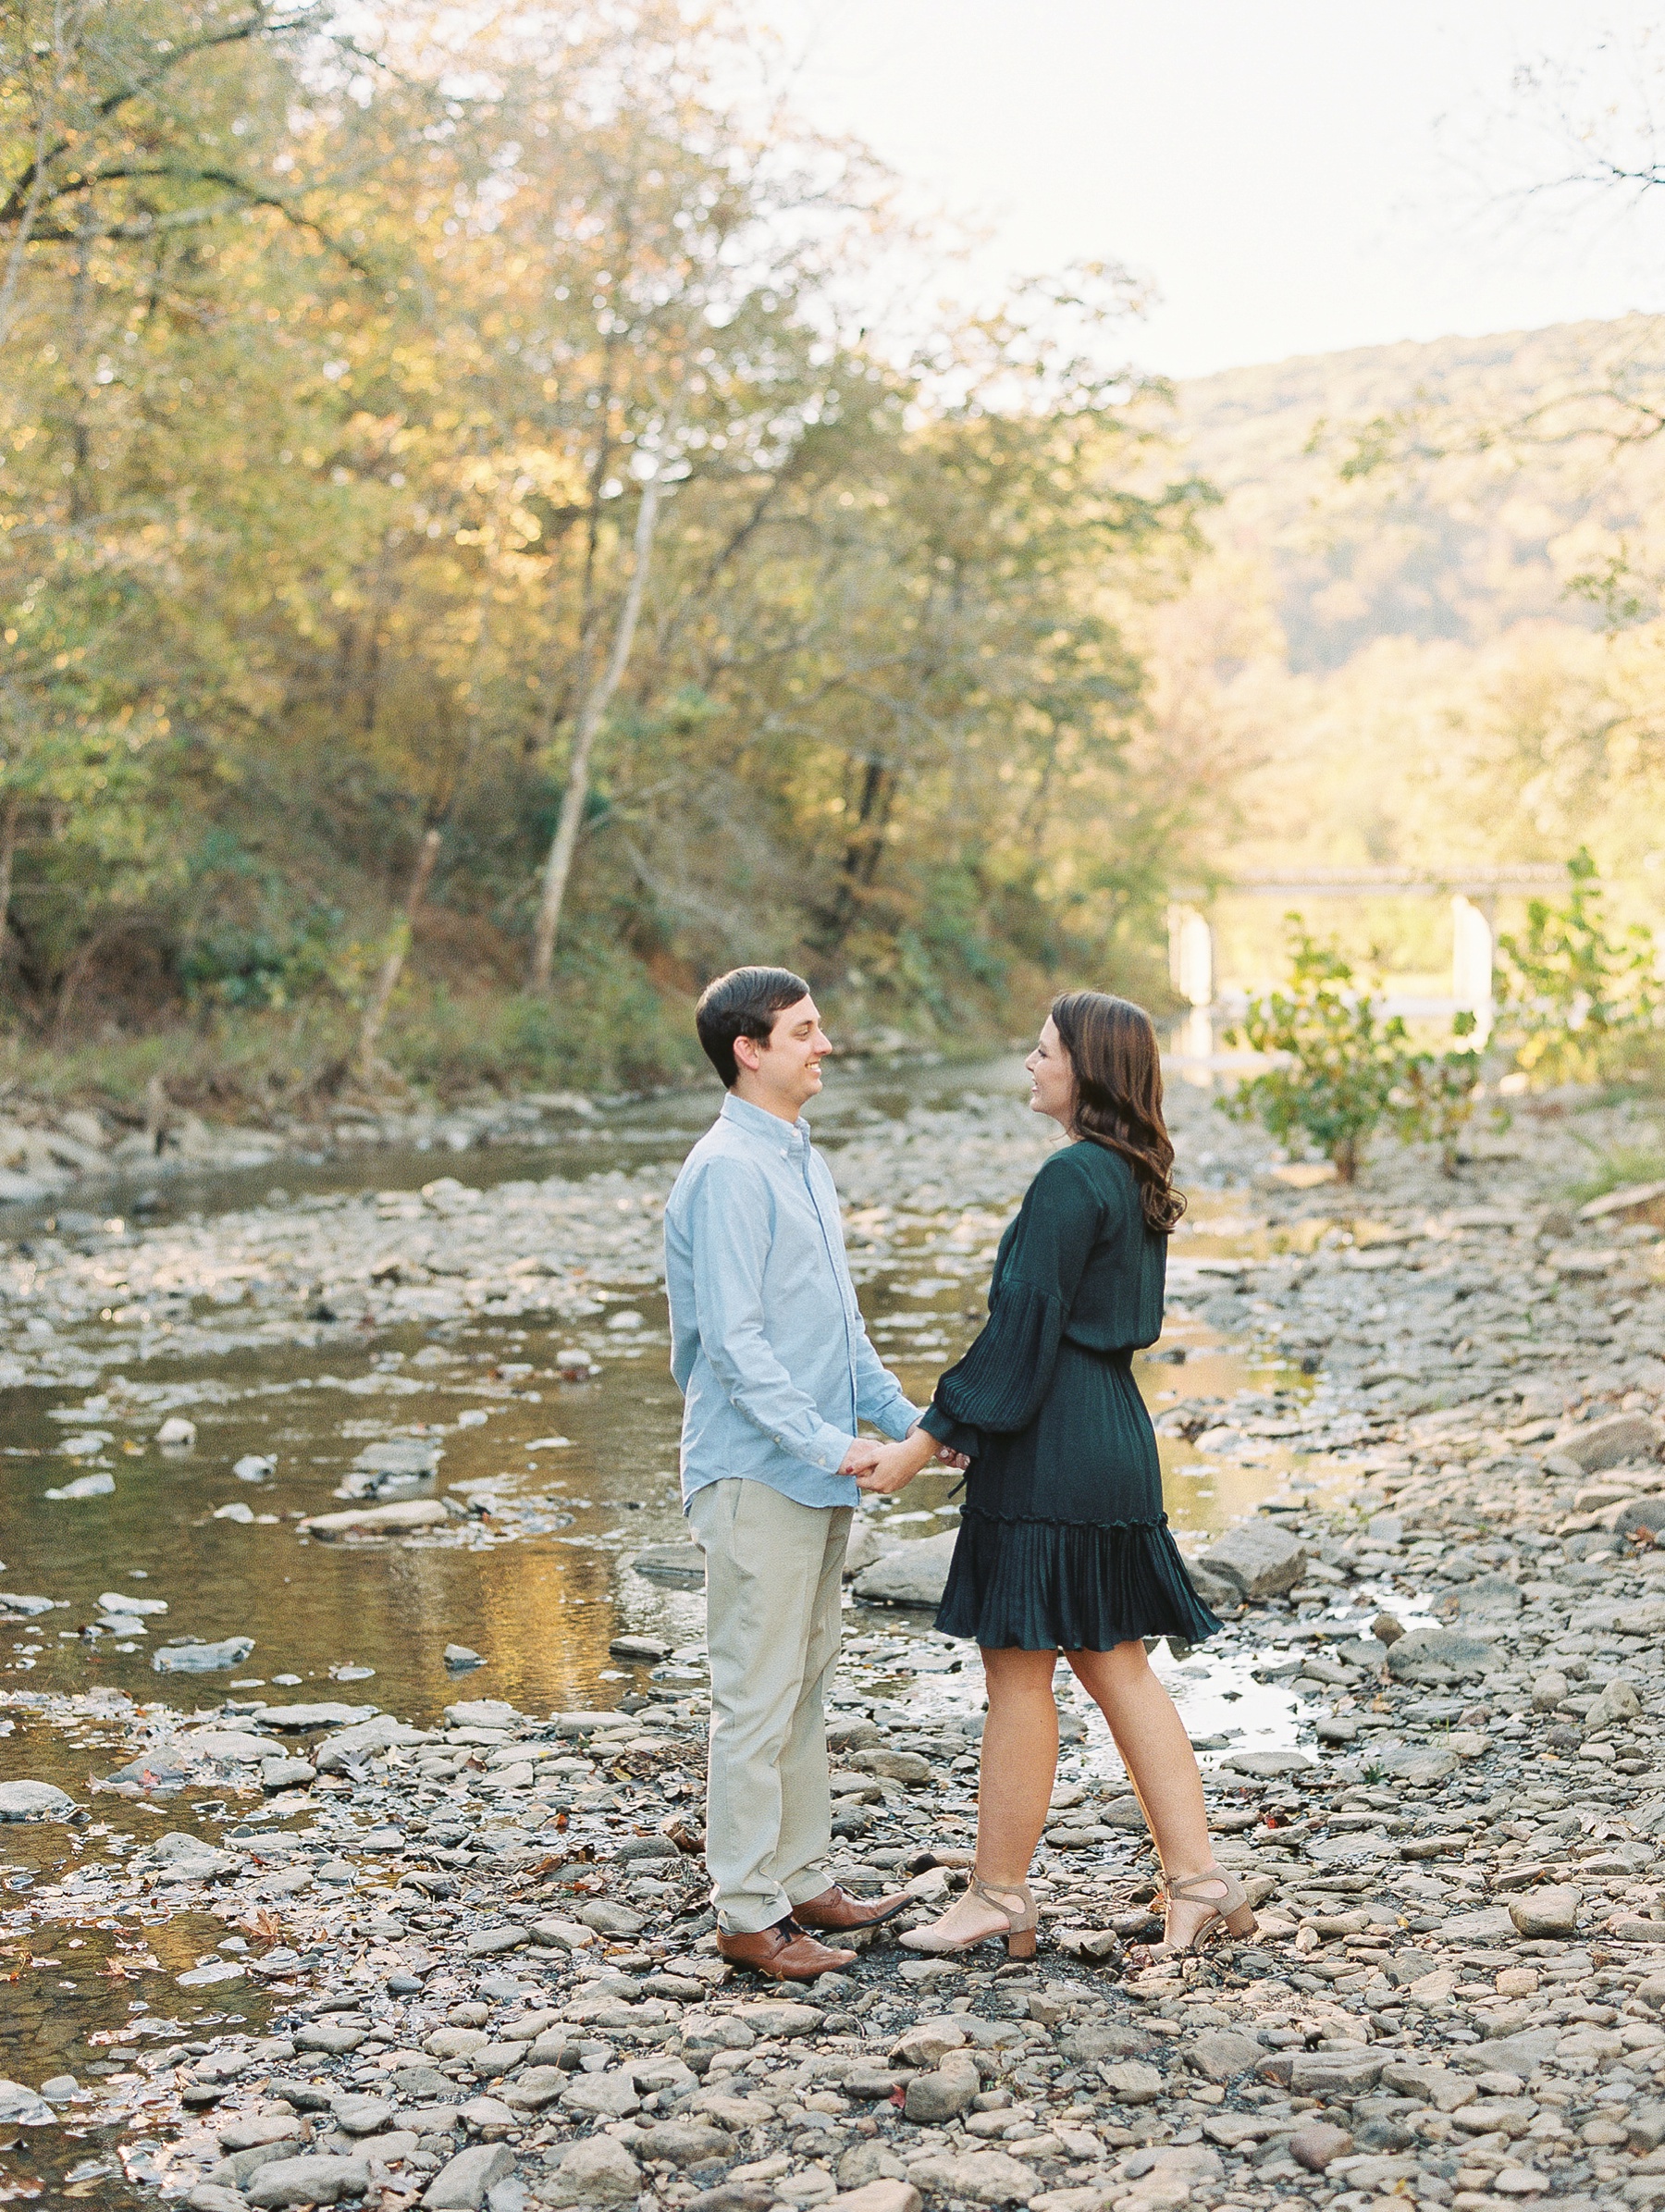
748	1052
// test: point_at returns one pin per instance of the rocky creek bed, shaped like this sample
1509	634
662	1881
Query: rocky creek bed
279	1946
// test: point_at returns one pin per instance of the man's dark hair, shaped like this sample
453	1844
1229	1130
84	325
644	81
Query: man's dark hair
743	1004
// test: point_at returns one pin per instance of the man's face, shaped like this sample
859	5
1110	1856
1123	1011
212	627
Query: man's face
788	1066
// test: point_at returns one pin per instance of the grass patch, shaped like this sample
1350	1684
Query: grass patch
1614	1169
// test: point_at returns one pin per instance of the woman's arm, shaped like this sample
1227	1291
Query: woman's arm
898	1464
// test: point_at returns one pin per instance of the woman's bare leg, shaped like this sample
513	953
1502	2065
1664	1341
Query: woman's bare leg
1161	1765
1020	1765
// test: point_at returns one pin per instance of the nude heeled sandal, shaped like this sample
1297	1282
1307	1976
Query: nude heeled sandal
1230	1913
1019	1930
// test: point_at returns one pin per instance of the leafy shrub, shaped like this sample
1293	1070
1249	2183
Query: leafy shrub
1438	1092
1577	1003
1340	1062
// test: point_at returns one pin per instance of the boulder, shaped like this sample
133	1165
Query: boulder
933	2100
1336	2073
1618	1702
34	1801
1222	2054
1131	2081
178	1857
915	1574
23	2107
1258	1558
1316	2144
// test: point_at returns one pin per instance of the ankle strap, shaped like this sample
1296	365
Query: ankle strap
994	1895
1182	1884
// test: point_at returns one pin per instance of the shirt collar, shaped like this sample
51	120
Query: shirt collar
754	1119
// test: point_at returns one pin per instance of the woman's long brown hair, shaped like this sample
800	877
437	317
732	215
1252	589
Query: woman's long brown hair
1117	1068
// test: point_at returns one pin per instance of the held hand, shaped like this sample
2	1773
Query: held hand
950	1458
896	1465
863	1453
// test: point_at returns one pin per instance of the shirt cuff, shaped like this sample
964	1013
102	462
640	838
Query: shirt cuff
829	1448
897	1420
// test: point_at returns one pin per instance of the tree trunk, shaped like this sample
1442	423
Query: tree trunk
8	853
559	865
387	982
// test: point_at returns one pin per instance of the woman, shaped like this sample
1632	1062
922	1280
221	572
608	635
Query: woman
1063	1544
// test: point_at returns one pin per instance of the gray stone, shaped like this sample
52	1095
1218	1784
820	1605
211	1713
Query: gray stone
461	2183
1508	2054
884	2194
34	1801
23	2107
248	2131
686	2143
979	2177
1611	1442
915	1574
933	2100
1131	2081
595	2170
608	2096
299	1719
611	1920
1316	2144
1439	1655
1618	1702
317	2179
1552	1910
351	1746
1222	2054
333	2041
1258	1558
179	1857
226	1747
203	1659
362	2114
1487	1597
1417	1763
1336	2073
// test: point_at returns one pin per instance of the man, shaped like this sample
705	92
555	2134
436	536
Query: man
768	1349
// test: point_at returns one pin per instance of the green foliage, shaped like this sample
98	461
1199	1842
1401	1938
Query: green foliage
329	379
1577	1003
1438	1092
1340	1062
1618	1166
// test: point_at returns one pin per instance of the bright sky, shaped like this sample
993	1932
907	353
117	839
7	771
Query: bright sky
1295	176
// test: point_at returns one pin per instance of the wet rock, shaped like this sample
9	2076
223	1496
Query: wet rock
23	2107
302	1719
915	1574
177	1434
121	1603
350	1747
1259	1559
318	2178
595	2170
681	1566
86	1485
197	1658
460	1658
1552	1910
179	1856
460	2184
35	1801
396	1519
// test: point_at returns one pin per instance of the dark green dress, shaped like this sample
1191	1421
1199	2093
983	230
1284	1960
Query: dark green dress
1062	1542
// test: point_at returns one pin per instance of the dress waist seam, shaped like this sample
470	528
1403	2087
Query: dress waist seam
981	1512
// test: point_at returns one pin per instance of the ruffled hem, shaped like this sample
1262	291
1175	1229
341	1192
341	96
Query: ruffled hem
1048	1586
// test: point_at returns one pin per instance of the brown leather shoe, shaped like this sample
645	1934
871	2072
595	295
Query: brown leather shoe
836	1909
785	1953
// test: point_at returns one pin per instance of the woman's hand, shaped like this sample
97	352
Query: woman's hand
898	1464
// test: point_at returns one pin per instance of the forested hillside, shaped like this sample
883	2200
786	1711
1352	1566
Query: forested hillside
1429	633
449	496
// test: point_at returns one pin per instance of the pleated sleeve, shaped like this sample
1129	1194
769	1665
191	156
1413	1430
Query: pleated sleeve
1001	1382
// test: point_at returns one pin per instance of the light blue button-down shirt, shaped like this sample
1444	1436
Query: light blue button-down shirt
767	1345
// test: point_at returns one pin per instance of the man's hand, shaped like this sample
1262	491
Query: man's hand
863	1453
895	1466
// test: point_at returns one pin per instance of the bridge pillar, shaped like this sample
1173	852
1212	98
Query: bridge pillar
1472	963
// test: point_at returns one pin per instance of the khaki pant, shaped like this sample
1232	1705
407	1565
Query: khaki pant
773	1572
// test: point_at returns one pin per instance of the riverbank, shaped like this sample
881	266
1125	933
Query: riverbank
470	1959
